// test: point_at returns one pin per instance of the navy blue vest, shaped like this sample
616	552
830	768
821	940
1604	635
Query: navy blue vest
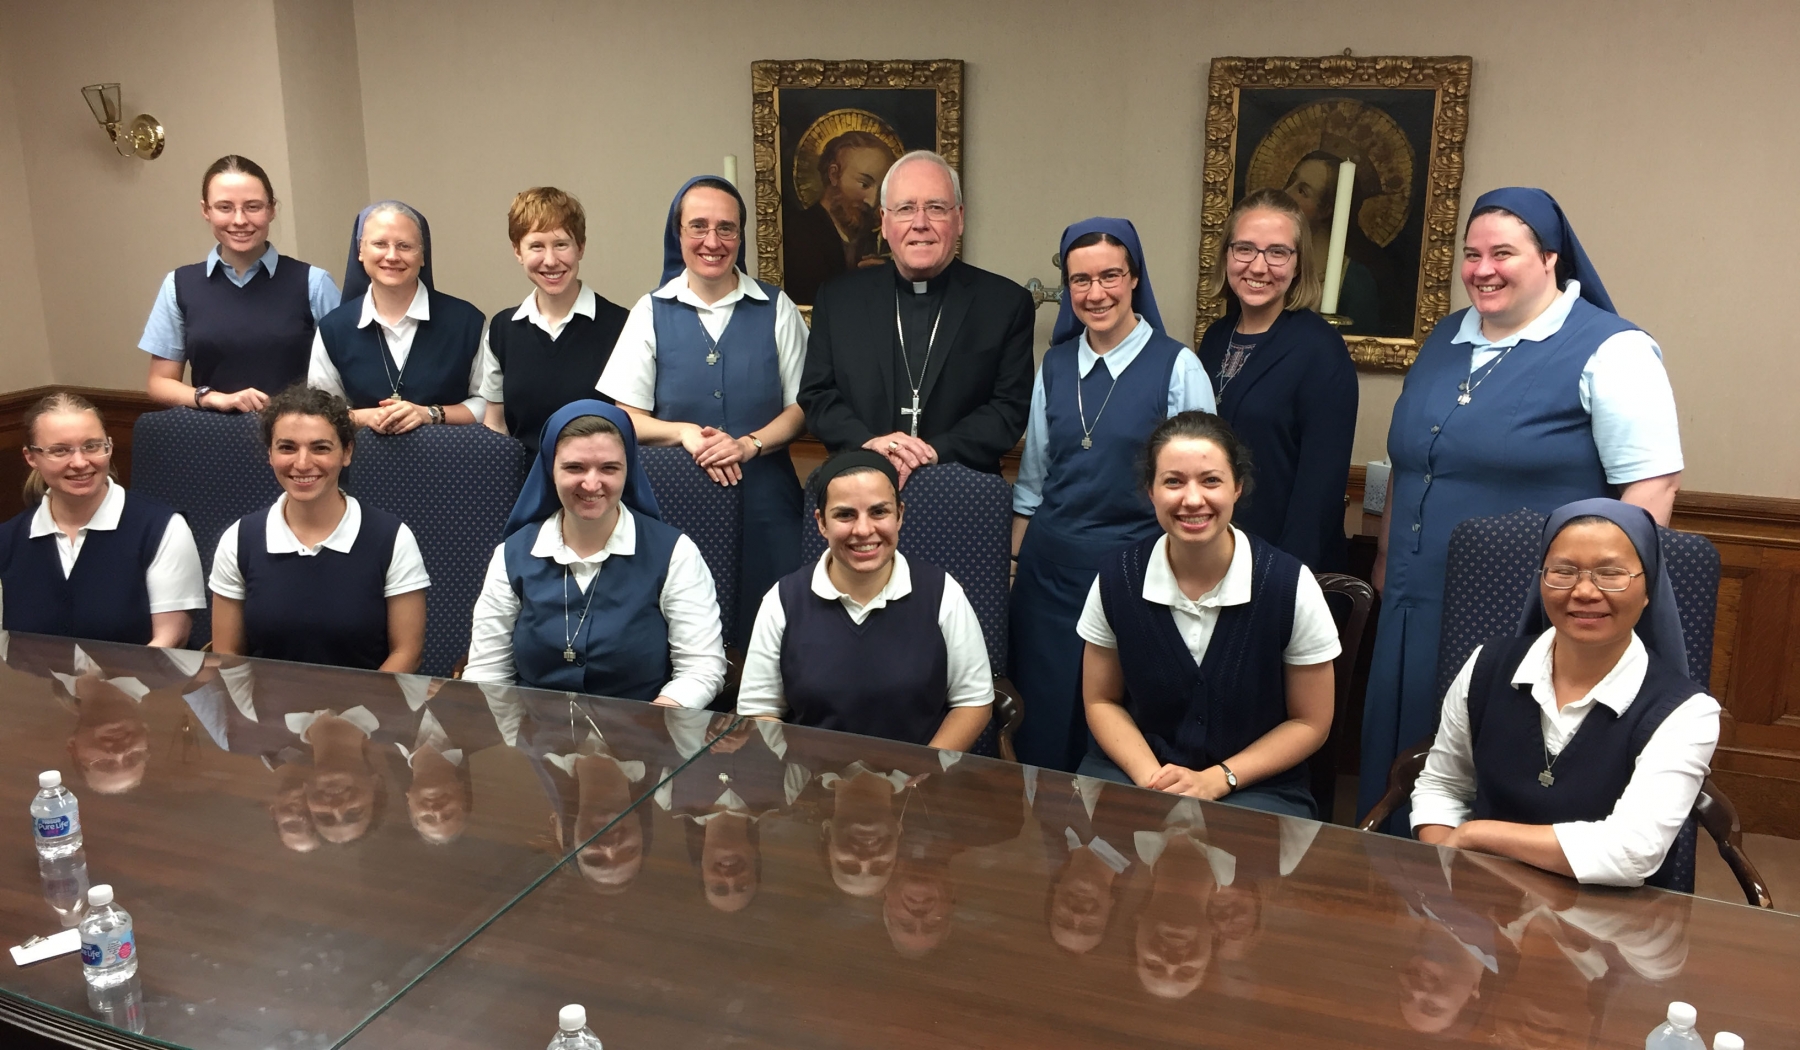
1092	501
437	367
324	608
888	678
540	374
741	389
104	596
258	336
623	649
1506	734
1197	715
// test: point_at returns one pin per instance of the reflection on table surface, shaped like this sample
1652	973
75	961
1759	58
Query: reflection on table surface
807	889
296	843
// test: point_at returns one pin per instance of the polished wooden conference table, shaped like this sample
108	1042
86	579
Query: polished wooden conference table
696	881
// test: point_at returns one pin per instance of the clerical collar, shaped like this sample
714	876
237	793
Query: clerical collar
935	284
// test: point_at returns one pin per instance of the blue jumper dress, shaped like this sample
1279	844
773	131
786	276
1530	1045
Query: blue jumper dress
739	391
257	336
437	367
1523	441
104	597
1092	506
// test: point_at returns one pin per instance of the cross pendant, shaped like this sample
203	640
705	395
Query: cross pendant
1463	399
712	358
914	413
1546	778
1087	442
568	654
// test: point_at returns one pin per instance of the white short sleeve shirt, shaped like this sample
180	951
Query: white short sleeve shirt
406	566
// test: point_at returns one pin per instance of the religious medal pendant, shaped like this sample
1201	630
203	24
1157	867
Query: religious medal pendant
1546	778
1464	397
712	358
568	654
1086	441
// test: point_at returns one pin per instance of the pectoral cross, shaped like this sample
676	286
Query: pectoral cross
568	654
914	413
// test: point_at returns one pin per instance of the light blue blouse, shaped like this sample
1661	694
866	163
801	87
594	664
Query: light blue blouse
1189	390
164	333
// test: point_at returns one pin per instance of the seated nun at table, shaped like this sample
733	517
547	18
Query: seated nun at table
711	361
591	592
90	560
402	353
318	578
1168	708
1174	941
1598	667
866	641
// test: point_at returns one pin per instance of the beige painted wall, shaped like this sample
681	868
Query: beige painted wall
24	345
108	228
1631	113
322	107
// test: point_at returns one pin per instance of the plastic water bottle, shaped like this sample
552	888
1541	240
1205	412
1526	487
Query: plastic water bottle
572	1032
55	818
65	885
1728	1041
120	1005
108	950
1678	1033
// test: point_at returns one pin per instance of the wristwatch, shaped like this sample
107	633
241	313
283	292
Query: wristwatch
200	393
437	413
1230	777
754	440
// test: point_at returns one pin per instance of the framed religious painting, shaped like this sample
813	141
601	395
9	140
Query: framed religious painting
1291	124
825	134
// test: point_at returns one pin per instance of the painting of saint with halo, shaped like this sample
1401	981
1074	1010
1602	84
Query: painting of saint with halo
833	223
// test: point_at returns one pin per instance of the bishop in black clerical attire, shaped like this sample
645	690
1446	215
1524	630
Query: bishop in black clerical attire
928	359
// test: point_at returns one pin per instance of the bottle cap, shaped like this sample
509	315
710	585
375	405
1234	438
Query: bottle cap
1728	1041
1681	1015
49	778
100	896
572	1018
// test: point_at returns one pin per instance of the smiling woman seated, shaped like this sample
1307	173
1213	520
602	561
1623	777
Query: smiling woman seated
866	641
1608	681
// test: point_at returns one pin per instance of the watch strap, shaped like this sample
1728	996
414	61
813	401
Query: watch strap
1230	777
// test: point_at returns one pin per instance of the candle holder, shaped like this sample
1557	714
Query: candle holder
1337	320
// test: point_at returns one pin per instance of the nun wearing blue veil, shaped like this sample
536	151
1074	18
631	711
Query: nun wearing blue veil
1579	743
1536	395
402	353
711	361
591	592
1077	498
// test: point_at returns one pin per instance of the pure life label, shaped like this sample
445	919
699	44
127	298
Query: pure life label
108	950
53	827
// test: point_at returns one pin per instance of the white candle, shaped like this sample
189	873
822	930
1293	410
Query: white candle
1340	229
731	168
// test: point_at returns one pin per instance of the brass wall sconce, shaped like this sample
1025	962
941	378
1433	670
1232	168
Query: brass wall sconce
143	139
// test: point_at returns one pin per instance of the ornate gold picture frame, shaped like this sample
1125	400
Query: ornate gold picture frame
1288	122
825	133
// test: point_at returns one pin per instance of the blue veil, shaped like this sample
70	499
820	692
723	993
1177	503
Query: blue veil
1539	210
356	279
672	262
1143	300
537	500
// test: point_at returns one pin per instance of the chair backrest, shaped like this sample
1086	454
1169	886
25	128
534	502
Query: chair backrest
1491	566
212	467
711	514
961	521
454	487
1351	601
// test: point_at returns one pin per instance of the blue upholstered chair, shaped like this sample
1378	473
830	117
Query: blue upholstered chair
453	486
1491	565
210	466
711	514
961	521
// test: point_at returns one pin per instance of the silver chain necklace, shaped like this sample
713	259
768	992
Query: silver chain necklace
1547	778
568	636
906	359
1468	392
1087	432
395	382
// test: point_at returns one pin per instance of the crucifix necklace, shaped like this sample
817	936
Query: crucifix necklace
1468	392
712	347
395	382
568	636
906	358
1547	778
1087	432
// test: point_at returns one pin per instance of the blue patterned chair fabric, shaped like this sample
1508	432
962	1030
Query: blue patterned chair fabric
210	466
453	486
961	521
712	515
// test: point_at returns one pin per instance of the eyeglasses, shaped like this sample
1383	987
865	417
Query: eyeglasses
725	231
399	247
1608	578
250	208
90	449
936	211
1278	255
1110	279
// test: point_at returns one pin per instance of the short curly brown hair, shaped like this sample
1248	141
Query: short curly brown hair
303	400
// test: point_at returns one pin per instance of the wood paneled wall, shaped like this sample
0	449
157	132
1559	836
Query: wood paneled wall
1756	649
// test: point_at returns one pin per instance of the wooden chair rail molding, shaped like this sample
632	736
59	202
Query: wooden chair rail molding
1756	648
